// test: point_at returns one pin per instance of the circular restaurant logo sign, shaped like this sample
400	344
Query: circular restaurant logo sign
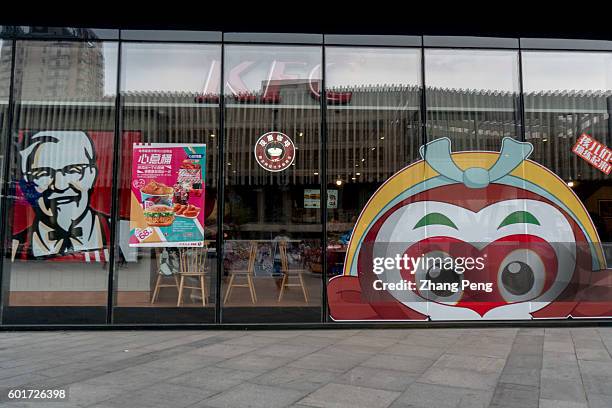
274	151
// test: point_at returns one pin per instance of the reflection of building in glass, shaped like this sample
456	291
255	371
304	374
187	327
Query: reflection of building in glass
55	69
5	67
375	132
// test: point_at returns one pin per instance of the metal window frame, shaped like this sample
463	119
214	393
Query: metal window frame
4	187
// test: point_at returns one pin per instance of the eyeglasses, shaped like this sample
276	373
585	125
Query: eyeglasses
72	171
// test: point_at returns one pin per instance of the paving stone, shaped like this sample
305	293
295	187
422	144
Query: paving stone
223	350
36	404
599	401
350	349
595	384
562	390
424	368
474	363
484	350
524	361
428	341
252	341
349	396
338	334
521	375
531	331
130	379
402	349
286	351
546	403
254	362
183	363
278	334
592	354
515	396
171	395
552	359
559	346
88	394
213	378
22	379
420	395
388	333
383	379
562	373
600	368
296	378
410	364
310	340
254	396
460	378
371	341
589	342
338	362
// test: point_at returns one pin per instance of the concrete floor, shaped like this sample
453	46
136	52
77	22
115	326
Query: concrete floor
433	368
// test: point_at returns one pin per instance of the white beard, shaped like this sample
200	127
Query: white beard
67	214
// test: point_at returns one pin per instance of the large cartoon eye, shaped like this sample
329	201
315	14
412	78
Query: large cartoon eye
436	280
517	277
521	276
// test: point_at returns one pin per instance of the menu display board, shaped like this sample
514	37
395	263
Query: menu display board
167	199
312	198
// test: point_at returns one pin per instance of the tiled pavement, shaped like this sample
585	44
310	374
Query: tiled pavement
433	368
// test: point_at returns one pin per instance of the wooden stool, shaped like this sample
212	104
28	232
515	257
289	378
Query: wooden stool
192	265
287	273
248	273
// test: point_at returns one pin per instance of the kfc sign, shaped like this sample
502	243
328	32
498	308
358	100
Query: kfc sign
274	151
244	81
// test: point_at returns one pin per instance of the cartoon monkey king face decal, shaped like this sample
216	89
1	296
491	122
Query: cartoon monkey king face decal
470	235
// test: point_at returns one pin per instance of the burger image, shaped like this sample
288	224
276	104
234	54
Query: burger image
159	215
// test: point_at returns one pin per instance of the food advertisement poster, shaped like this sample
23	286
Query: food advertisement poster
167	199
312	198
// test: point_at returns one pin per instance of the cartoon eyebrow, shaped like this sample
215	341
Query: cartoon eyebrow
519	217
435	219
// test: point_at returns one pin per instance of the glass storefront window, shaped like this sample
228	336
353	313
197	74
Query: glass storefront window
568	96
424	157
472	97
272	232
62	142
373	130
170	99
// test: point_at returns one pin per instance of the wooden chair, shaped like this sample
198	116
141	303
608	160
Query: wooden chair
192	265
160	277
248	273
290	273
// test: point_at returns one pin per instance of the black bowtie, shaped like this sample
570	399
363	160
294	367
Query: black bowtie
65	236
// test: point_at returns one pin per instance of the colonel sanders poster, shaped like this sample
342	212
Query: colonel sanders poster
473	236
62	195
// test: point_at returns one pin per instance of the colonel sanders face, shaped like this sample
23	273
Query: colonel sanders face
59	172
